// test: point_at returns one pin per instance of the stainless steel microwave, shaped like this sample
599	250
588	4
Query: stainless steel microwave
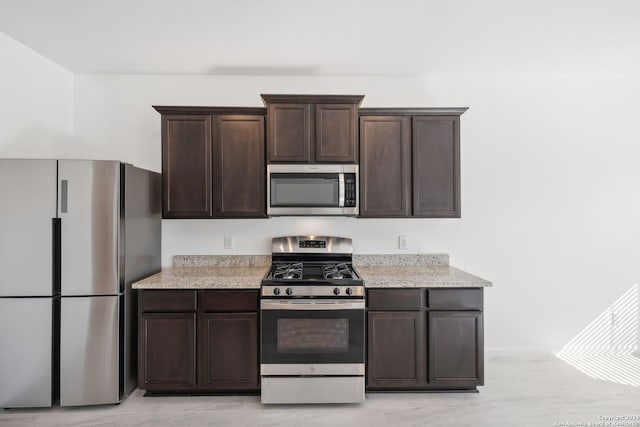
314	189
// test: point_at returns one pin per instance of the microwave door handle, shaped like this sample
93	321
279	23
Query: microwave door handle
341	190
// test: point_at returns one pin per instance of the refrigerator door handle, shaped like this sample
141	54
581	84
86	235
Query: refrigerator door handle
56	225
64	196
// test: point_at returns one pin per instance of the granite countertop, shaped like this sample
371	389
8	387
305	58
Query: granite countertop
246	272
418	276
204	278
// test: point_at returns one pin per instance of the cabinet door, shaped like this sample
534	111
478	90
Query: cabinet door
385	162
289	127
239	167
456	348
186	167
229	353
395	350
166	359
436	166
336	136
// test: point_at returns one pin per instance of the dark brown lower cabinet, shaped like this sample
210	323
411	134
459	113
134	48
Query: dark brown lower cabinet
425	339
455	343
167	352
198	341
229	351
395	349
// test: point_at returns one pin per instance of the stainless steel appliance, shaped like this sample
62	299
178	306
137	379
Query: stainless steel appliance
312	323
312	189
74	235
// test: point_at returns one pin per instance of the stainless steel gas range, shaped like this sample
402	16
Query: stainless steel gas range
313	323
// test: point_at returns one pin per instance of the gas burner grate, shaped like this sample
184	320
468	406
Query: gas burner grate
288	271
337	271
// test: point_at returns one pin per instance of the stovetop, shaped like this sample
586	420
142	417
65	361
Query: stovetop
312	279
300	271
312	266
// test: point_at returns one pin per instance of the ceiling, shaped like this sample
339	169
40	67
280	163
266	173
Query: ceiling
330	37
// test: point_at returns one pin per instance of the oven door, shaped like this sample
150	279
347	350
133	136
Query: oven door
310	333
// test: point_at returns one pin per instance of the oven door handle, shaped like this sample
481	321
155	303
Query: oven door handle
311	305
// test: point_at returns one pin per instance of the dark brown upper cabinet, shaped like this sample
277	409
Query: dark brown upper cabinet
289	127
385	166
312	128
213	158
239	166
186	166
436	166
410	162
213	162
336	133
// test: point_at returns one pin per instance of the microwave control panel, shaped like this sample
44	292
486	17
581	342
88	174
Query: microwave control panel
350	189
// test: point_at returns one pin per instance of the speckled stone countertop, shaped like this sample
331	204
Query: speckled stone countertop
428	276
210	272
413	271
246	272
204	278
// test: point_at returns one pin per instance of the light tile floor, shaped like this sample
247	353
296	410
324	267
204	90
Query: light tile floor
520	390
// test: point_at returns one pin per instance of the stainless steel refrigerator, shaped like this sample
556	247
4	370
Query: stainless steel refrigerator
74	235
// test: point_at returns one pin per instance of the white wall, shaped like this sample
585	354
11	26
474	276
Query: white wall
36	104
550	184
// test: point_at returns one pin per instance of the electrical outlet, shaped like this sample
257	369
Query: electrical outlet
228	242
402	242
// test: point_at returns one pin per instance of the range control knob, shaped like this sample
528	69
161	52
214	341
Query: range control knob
289	291
349	291
276	291
336	291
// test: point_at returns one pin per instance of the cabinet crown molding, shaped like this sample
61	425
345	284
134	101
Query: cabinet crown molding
456	111
312	99
209	111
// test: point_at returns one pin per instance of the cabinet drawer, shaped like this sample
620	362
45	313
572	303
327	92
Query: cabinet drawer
455	298
395	299
167	300
230	300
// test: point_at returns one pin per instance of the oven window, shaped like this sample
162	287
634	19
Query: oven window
304	190
313	335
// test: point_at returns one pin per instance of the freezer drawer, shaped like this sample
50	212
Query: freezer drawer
27	206
25	352
89	349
